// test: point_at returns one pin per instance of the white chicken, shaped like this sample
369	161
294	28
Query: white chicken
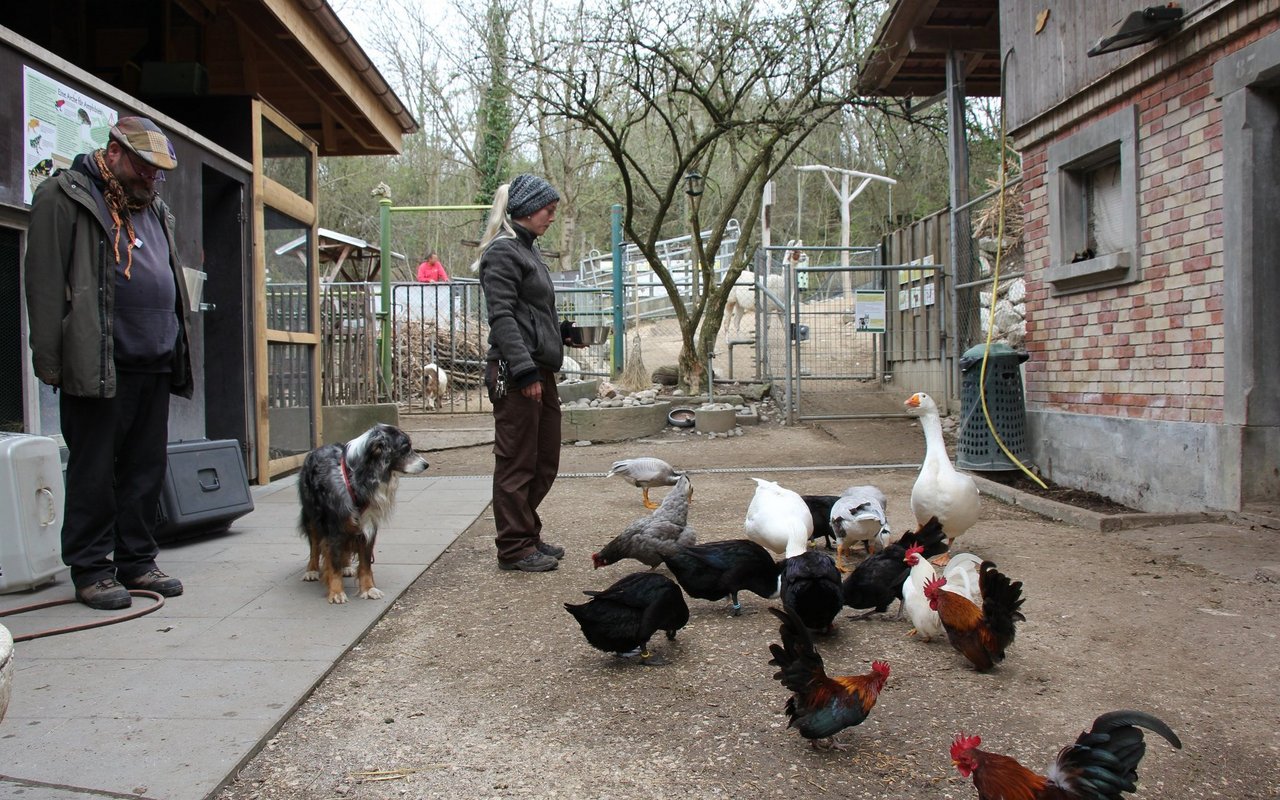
859	516
961	573
778	519
940	491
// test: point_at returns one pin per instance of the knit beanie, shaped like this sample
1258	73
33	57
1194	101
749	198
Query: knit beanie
528	193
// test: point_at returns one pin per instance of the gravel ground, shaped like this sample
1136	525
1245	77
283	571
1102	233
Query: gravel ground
477	683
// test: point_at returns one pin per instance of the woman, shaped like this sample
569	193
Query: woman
525	352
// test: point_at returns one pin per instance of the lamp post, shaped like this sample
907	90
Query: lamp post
693	188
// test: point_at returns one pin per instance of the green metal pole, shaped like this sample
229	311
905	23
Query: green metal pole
384	307
619	291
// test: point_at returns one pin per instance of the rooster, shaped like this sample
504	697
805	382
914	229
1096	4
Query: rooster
641	539
1101	765
979	634
811	588
877	581
820	706
961	574
715	570
621	619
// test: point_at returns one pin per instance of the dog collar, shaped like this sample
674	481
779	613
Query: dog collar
346	478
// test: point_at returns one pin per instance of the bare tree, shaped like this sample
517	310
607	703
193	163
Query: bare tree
729	88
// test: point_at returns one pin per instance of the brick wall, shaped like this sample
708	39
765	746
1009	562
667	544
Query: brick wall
1151	349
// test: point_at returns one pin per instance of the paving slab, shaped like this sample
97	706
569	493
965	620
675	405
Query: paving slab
171	704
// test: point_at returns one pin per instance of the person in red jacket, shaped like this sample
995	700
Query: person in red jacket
431	270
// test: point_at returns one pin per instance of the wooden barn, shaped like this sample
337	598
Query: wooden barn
251	93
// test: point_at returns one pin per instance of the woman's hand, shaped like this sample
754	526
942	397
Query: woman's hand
533	391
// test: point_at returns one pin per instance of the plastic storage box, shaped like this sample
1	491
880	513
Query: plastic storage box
31	503
205	489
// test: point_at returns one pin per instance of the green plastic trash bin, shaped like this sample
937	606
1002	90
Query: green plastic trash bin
978	449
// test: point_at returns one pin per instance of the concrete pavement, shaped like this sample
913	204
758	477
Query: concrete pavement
169	705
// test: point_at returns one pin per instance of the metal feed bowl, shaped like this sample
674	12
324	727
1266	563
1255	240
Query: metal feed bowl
592	334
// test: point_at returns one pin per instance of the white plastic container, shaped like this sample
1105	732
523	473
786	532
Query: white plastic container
31	503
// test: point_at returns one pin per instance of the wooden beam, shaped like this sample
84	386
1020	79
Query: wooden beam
335	63
303	81
938	39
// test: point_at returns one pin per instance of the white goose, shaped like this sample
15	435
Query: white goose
940	491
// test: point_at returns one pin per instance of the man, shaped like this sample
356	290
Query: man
432	271
109	320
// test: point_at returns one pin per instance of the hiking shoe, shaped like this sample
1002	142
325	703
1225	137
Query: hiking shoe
104	595
156	581
553	550
534	562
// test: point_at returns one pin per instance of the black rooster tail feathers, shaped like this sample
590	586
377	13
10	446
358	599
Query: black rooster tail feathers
1001	600
1103	762
1113	720
797	658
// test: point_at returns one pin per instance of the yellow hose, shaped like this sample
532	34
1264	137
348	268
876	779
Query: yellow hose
995	285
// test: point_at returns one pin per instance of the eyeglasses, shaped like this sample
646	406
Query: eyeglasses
145	171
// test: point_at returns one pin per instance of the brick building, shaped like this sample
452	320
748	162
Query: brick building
1150	194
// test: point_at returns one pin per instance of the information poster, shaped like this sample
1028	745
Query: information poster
868	309
60	123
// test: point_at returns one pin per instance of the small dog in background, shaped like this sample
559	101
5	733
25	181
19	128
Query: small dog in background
346	492
435	383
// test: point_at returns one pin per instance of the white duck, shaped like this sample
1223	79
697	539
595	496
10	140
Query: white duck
778	519
940	491
961	573
859	516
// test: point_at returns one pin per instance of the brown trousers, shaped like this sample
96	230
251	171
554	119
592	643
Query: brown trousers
526	454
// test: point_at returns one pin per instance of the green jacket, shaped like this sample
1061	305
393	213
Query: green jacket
70	285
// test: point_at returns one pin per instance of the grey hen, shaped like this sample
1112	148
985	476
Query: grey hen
643	539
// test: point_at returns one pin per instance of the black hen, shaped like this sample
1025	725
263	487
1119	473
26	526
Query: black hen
718	569
820	509
621	619
877	581
811	588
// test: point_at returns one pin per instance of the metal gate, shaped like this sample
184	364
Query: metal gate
849	342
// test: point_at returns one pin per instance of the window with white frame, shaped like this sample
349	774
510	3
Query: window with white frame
1093	205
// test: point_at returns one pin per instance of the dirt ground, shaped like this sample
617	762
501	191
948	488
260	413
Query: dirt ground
478	684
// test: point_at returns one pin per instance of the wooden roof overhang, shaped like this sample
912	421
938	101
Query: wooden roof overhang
908	55
299	57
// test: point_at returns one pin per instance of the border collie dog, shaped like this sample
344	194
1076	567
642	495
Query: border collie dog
346	492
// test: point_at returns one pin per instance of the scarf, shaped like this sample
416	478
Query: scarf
121	206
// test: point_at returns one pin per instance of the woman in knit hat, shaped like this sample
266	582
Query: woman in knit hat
525	352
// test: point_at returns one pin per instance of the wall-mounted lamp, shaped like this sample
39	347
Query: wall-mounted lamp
1140	27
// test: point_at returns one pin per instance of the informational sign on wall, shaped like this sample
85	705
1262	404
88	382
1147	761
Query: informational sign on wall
868	310
60	122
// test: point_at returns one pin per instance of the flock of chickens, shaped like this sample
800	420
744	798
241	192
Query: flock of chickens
957	595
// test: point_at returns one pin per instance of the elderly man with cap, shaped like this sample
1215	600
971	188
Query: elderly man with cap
525	352
110	321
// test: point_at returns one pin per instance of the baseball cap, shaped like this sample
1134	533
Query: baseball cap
143	138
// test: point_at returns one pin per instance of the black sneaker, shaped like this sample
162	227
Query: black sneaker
156	581
534	562
553	550
104	595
